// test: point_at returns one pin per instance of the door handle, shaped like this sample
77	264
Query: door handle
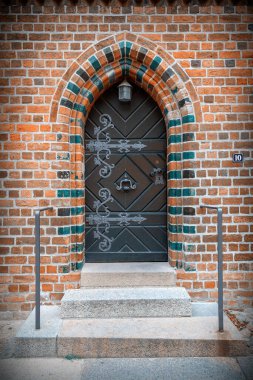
126	185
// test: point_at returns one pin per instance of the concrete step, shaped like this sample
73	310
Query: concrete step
130	337
127	275
125	302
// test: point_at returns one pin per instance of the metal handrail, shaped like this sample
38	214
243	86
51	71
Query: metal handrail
37	265
220	264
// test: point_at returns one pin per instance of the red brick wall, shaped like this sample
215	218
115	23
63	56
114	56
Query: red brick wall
213	45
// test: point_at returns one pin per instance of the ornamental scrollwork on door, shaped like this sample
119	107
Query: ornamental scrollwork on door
102	219
102	147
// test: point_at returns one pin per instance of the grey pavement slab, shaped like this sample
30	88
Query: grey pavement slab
126	302
162	369
8	330
40	369
122	369
127	274
246	364
30	342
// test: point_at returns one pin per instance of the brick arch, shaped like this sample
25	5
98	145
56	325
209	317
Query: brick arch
150	67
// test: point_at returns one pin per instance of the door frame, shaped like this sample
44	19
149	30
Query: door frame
150	67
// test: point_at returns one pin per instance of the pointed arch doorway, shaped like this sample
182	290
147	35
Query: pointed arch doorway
125	178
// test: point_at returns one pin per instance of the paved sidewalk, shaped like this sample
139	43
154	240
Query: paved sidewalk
188	368
127	369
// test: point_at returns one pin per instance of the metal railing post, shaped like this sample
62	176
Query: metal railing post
37	265
220	264
220	269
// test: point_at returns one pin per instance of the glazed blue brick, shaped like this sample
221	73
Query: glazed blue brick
77	229
76	139
95	79
82	73
110	73
95	62
87	94
77	193
155	63
175	228
128	48
109	54
174	90
189	229
63	230
173	210
73	88
175	174
188	192
77	210
188	155
188	119
174	123
80	108
167	74
79	265
175	246
175	192
66	103
174	157
175	139
78	247
139	75
122	49
63	193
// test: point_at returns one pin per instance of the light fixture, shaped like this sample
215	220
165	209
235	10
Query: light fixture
125	91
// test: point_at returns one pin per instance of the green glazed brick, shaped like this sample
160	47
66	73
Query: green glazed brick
188	155
175	139
77	229
66	103
128	48
78	247
73	88
155	63
188	192
173	210
80	108
77	193
175	228
122	49
174	157
97	81
189	229
188	119
175	174
77	210
87	94
175	246
76	139
63	230
95	62
63	193
174	123
175	192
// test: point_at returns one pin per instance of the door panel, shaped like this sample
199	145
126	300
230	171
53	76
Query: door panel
125	166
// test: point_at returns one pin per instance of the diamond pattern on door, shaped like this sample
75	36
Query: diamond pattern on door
125	201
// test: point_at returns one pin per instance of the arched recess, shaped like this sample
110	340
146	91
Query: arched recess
150	67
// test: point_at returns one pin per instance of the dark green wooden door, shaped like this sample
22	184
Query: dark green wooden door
125	170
